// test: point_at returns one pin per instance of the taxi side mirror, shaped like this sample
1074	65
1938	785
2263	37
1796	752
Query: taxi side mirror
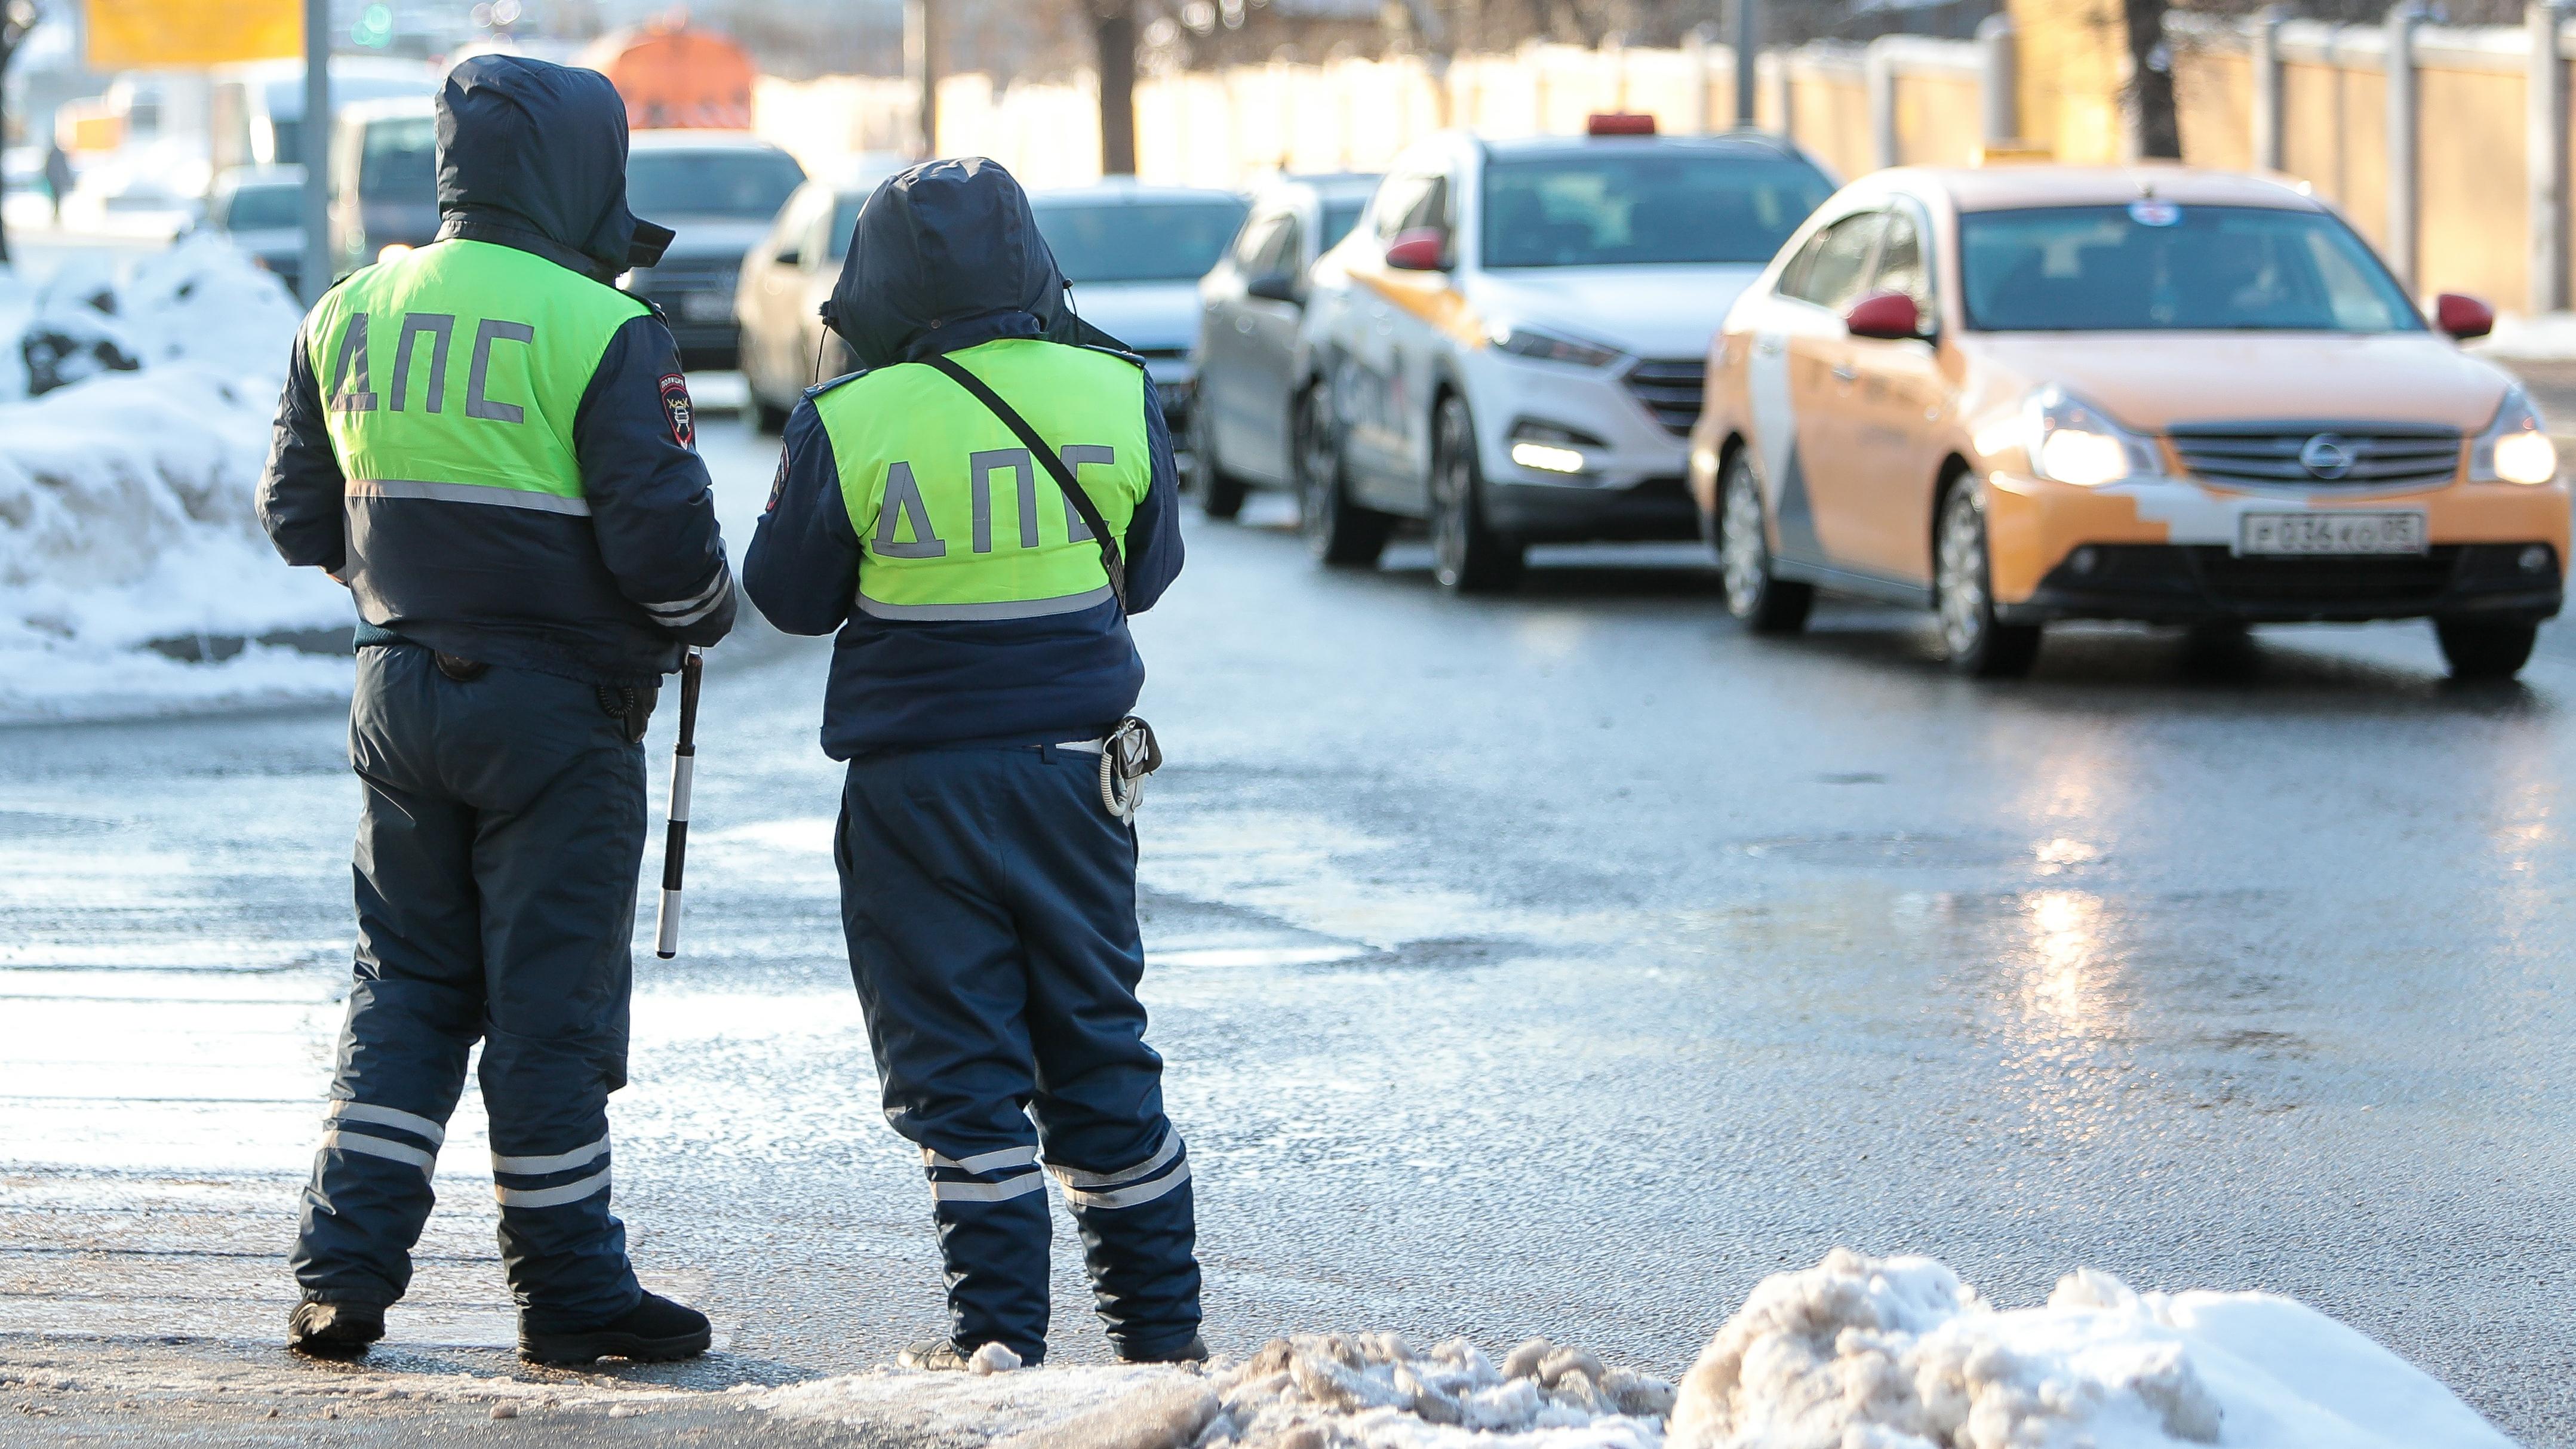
1423	249
1891	316
2465	318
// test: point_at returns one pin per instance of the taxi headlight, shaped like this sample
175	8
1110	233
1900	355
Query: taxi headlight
2515	448
2072	441
1548	346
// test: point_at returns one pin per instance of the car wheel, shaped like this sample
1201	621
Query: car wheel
768	416
1338	532
1468	555
1963	587
1220	497
1764	604
2485	650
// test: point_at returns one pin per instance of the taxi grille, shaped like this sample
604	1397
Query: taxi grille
1670	390
2374	455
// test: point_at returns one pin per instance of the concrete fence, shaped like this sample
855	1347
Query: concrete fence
1900	99
2447	147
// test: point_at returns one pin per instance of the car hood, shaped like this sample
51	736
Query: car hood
711	238
1658	312
2153	380
1148	316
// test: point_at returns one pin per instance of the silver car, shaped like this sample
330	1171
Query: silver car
1251	307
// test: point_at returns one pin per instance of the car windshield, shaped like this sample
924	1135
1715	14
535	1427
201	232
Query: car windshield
1607	209
400	162
2153	266
1141	241
265	208
845	220
749	184
1339	218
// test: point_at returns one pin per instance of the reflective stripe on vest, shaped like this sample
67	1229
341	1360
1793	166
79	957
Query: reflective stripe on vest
454	375
955	520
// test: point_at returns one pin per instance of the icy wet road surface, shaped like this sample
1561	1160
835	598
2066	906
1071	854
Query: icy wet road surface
1557	964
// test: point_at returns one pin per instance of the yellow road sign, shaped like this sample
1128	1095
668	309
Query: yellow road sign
164	34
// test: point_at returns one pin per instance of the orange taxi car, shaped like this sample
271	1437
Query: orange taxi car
2025	394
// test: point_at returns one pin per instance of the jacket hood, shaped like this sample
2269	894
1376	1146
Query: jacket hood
945	254
533	155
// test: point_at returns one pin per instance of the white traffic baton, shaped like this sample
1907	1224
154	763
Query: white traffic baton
675	845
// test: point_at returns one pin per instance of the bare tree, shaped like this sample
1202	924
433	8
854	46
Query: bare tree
1113	32
17	18
2151	83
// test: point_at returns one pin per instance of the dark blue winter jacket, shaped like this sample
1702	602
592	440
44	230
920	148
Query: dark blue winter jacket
943	257
606	588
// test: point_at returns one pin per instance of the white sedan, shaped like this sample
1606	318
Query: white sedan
1510	346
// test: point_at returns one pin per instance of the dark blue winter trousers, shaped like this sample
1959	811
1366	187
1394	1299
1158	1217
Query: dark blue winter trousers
990	901
496	868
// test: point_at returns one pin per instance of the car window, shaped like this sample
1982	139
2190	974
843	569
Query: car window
1284	250
1900	262
268	207
1396	200
398	161
1253	240
1138	241
1339	218
1430	211
2157	266
1682	205
844	215
750	184
1830	269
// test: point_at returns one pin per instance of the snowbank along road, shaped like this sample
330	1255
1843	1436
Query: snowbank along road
1564	964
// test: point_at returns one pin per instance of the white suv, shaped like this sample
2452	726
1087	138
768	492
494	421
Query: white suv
1511	344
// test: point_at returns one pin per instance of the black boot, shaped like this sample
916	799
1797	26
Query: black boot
655	1330
1194	1351
334	1330
942	1355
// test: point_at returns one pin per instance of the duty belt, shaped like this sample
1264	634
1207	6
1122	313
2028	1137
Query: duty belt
1127	755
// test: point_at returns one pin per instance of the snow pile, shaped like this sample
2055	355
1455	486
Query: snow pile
2531	337
1331	1391
1073	1408
1897	1353
126	498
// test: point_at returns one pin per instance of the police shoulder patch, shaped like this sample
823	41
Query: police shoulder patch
777	485
682	413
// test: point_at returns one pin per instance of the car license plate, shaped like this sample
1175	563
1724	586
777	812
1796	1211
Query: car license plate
2330	532
706	307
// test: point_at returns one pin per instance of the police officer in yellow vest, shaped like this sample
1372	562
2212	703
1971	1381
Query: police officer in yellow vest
492	447
987	889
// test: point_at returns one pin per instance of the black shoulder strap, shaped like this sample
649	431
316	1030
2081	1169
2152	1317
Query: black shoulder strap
1110	558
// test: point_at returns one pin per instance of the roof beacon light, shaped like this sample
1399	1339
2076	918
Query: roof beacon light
1619	123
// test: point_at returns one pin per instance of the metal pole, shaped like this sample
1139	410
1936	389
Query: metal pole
1748	52
1695	60
2266	56
1878	76
921	67
2402	180
2000	111
314	149
2547	152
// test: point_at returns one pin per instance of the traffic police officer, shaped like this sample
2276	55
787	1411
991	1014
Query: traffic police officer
492	447
988	893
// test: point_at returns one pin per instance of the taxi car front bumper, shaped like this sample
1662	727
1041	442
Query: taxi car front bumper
2168	550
